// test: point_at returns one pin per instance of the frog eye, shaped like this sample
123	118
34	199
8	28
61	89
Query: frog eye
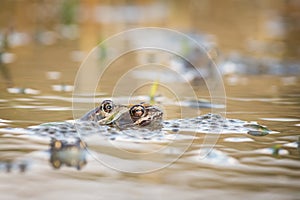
107	106
137	112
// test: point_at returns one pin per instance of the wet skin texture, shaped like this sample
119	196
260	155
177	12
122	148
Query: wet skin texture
121	116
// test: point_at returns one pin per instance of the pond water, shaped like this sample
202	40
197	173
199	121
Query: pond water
239	166
40	55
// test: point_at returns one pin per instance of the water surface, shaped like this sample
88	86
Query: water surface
242	165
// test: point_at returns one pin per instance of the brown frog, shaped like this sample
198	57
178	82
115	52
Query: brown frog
121	116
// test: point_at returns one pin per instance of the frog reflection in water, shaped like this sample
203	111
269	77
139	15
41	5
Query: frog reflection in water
72	154
123	117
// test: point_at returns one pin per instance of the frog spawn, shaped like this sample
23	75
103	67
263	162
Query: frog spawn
209	123
215	124
67	129
142	121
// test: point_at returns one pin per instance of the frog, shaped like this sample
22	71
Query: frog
147	116
140	120
141	116
106	113
125	117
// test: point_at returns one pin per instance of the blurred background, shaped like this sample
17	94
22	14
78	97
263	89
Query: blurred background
38	37
43	43
256	45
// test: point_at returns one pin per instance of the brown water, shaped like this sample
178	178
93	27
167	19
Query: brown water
245	166
249	171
